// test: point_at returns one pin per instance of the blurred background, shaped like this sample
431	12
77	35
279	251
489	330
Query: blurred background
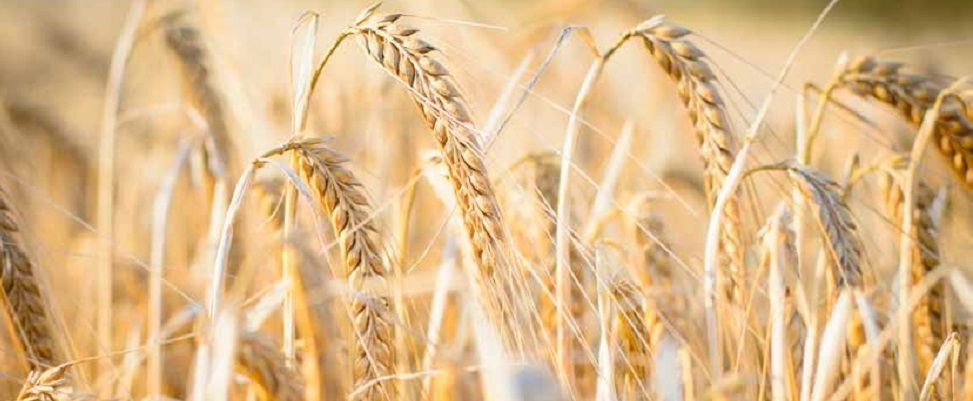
54	58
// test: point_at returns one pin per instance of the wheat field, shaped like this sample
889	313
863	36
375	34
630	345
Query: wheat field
453	200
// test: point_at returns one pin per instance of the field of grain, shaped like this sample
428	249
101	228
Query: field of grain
499	200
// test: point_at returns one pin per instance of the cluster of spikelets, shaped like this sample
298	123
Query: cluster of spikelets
525	307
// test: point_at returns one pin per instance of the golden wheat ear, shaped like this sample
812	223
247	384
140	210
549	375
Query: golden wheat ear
930	323
399	52
912	95
699	89
341	197
201	90
50	385
835	221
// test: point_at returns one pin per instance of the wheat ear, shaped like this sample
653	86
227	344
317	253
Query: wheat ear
185	40
778	253
835	220
687	65
260	358
50	385
639	331
25	302
928	315
444	110
913	95
342	198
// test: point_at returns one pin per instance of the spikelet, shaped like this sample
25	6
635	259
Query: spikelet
50	385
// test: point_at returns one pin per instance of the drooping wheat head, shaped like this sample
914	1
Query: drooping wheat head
912	95
341	196
445	112
698	87
834	219
186	42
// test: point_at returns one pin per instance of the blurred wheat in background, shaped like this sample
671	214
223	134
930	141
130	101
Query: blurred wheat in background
486	200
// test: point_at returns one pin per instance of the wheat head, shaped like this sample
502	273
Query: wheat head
687	65
912	95
261	360
341	196
25	303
